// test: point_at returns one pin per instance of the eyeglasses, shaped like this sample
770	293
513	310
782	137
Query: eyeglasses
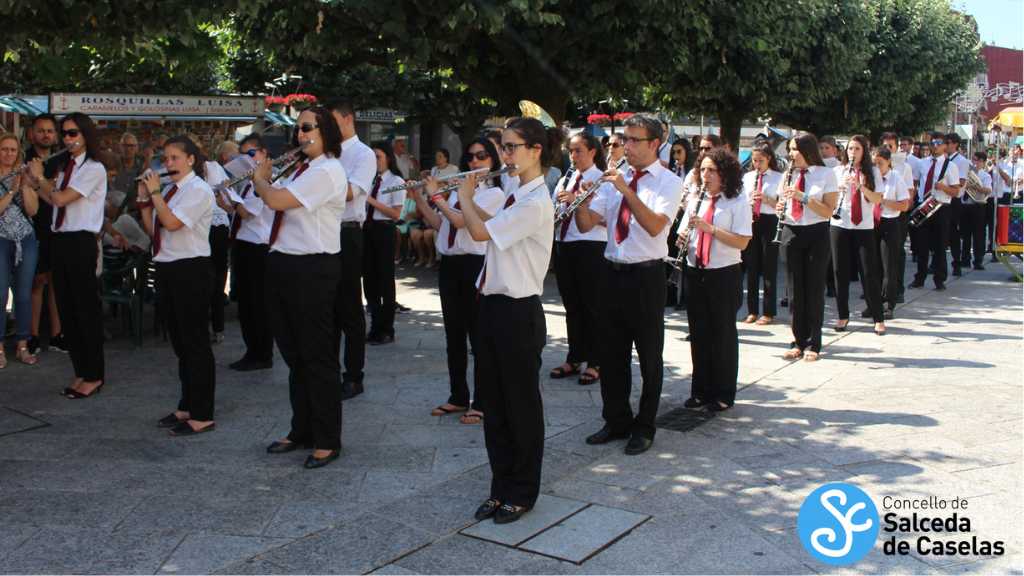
705	148
613	145
510	148
481	155
634	139
72	133
308	127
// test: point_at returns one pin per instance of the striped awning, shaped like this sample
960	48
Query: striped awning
18	106
272	118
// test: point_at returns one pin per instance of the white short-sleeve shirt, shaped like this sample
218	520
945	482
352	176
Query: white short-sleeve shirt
192	203
661	191
951	177
769	188
818	181
314	227
360	164
520	247
893	187
845	219
88	178
394	199
487	198
255	230
215	174
572	233
963	166
732	215
986	181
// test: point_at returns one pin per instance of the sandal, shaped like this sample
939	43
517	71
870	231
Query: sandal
443	410
750	319
793	354
880	328
563	372
811	356
472	417
764	320
73	394
841	327
589	376
26	357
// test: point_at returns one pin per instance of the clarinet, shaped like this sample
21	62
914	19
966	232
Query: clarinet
838	213
684	250
780	206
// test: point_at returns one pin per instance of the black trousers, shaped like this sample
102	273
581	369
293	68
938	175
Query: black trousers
714	343
300	295
459	307
73	261
807	256
219	255
930	239
972	233
579	271
511	337
379	275
634	314
955	210
890	253
249	265
184	287
862	242
990	223
761	258
349	317
901	268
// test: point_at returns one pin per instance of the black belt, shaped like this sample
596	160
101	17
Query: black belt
351	224
620	267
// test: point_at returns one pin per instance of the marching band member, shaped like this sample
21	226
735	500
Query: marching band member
941	179
972	217
616	147
886	215
360	165
220	229
715	237
461	260
905	164
579	266
852	230
179	220
637	217
511	320
761	255
379	255
250	232
78	197
302	278
963	166
680	164
808	203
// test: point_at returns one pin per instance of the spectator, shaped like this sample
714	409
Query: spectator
442	164
226	152
19	249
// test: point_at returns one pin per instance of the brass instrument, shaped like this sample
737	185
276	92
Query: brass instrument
8	179
290	157
780	205
570	209
533	110
974	188
683	240
924	211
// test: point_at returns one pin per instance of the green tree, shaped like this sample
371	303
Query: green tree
739	63
923	52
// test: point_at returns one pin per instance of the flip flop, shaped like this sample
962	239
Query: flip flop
561	372
588	377
472	418
442	411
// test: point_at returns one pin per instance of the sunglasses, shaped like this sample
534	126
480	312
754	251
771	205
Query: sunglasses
938	142
251	153
307	127
613	145
74	132
481	156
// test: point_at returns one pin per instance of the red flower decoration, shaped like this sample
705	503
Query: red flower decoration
598	119
622	116
271	100
294	98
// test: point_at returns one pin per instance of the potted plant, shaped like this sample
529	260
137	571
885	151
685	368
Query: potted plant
299	102
599	119
274	103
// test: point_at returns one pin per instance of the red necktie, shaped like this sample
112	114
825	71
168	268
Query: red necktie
757	203
369	207
279	214
796	208
156	224
452	230
61	211
565	223
236	223
622	222
928	181
855	207
704	238
483	275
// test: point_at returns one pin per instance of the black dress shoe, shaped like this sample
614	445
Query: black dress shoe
314	462
508	513
280	447
168	421
900	299
183	429
605	435
381	339
247	365
784	302
979	267
957	271
940	287
638	445
350	389
917	284
487	509
866	313
693	403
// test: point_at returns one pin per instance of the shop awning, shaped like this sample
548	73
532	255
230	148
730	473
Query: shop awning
1012	117
19	106
272	118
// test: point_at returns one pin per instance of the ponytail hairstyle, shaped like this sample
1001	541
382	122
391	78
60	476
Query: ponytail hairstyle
807	146
592	143
866	166
189	147
765	149
535	134
389	152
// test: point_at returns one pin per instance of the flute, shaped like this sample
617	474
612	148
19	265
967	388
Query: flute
161	175
8	178
780	206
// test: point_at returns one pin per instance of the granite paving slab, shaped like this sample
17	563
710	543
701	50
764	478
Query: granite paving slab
584	534
548	511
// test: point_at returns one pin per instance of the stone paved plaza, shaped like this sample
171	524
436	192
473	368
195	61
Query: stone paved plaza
932	409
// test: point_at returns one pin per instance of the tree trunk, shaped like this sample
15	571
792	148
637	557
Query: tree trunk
731	122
